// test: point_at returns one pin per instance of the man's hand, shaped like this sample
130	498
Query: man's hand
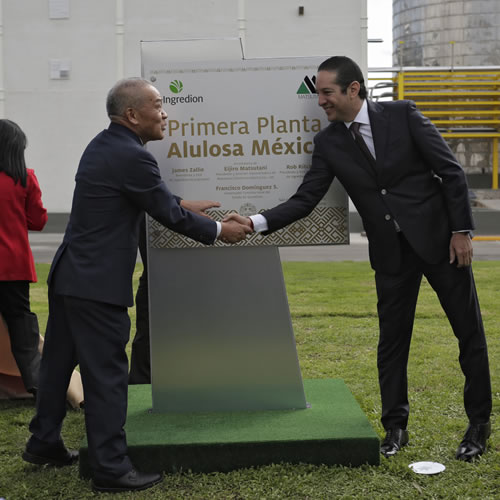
233	232
239	218
199	206
461	249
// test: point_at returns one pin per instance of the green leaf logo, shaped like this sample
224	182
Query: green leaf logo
176	86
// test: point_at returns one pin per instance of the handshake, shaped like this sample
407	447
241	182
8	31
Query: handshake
235	228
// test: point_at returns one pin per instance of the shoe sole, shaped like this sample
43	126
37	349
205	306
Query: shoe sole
119	489
39	460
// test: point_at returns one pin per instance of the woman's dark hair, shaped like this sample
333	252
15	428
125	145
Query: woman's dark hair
347	71
12	146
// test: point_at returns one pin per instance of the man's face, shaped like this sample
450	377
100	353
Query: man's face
338	106
150	116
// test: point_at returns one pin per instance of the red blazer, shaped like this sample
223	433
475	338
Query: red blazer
21	209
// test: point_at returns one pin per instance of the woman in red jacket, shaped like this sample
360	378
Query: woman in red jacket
21	209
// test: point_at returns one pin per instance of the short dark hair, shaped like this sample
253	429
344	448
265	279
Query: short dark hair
12	145
124	95
347	71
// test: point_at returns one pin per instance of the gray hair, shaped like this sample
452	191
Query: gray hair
125	94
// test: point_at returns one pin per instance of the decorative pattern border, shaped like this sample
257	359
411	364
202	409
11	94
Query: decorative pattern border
324	226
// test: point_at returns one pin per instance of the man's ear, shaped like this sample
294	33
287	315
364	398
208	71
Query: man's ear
131	116
354	88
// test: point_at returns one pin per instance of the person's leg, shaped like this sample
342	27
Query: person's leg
23	330
101	332
58	361
457	293
140	359
397	298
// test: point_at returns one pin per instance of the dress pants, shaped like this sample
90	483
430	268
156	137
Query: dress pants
14	298
93	335
23	330
397	299
140	359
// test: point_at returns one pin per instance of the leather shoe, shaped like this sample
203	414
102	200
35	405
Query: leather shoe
394	440
54	454
474	442
133	480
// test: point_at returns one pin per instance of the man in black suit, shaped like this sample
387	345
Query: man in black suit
412	196
90	285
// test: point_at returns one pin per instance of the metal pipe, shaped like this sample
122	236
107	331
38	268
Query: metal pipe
242	24
119	37
494	181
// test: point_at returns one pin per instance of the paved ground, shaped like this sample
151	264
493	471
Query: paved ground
44	246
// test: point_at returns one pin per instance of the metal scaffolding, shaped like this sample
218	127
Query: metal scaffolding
461	102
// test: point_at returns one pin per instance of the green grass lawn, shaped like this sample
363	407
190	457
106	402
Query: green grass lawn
333	309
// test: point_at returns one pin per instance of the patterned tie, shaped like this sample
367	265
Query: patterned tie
358	139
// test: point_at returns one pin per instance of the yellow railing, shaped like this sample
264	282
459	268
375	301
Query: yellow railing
461	103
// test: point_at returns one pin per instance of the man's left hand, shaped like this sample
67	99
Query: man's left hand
199	206
461	249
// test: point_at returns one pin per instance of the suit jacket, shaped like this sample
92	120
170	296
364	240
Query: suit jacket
416	181
117	180
21	208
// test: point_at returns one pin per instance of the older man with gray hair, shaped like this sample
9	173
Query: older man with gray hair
90	285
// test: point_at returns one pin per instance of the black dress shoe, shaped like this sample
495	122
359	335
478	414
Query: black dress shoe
474	442
133	480
49	454
394	440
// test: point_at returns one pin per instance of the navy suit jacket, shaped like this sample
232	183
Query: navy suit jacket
416	181
116	182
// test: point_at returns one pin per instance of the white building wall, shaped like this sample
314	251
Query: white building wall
100	42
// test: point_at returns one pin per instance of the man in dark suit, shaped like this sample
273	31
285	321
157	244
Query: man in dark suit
90	285
412	196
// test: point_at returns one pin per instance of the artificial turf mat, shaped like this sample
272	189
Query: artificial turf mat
333	431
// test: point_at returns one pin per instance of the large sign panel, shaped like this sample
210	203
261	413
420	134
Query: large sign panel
241	133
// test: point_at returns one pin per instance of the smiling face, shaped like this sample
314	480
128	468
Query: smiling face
338	105
149	117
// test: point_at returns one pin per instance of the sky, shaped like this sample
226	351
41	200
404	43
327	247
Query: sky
380	26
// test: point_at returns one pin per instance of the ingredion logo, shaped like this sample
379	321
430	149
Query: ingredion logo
176	86
307	87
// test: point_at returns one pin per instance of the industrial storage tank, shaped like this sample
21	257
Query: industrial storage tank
446	32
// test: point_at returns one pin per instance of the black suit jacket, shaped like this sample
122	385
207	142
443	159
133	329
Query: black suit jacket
416	181
117	180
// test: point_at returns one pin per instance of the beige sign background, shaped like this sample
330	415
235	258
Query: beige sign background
241	132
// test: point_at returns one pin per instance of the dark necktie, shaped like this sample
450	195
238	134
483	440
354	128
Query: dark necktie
358	139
